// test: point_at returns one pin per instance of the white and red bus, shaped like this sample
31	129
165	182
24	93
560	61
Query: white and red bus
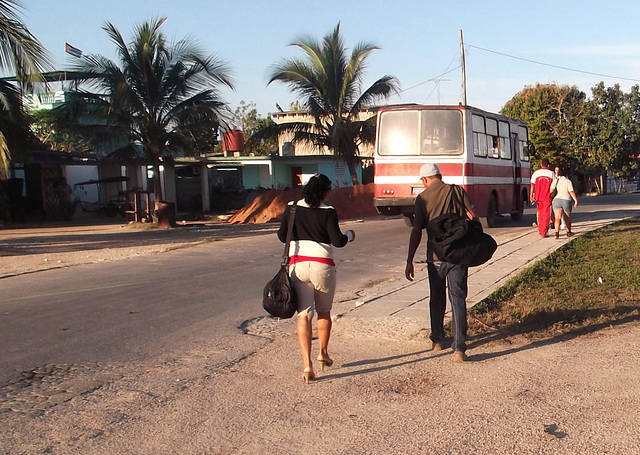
487	154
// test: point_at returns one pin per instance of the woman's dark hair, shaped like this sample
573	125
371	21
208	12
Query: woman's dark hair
562	171
315	189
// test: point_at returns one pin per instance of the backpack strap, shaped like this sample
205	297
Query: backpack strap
456	199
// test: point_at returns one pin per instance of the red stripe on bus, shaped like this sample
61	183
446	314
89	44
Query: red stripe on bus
452	169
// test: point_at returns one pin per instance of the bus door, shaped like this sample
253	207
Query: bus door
517	177
520	161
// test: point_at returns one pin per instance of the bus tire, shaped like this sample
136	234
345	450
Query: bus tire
408	219
517	215
490	220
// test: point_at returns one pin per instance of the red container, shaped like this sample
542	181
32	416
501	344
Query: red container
233	141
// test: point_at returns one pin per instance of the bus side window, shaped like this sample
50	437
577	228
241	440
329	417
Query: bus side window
492	138
479	136
524	151
523	143
480	144
495	147
505	148
505	143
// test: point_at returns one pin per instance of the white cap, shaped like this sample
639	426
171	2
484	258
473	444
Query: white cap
429	170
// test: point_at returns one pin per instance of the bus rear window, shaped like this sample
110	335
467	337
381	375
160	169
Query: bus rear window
398	133
441	132
420	132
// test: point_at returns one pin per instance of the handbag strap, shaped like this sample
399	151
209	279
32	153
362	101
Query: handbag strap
292	216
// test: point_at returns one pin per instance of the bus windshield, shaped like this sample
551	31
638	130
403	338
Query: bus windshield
420	132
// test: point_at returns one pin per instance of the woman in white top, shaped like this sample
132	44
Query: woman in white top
563	202
311	266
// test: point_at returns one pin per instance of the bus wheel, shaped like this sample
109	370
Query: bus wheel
490	220
517	214
408	219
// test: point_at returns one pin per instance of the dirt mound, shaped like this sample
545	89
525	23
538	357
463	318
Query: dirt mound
350	202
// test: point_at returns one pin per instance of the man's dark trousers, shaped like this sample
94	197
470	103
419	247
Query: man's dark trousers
455	276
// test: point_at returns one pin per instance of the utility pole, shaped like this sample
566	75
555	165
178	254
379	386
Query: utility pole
464	71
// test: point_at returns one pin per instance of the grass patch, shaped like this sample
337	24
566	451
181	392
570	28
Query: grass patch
588	284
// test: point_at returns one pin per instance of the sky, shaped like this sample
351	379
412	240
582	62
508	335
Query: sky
507	44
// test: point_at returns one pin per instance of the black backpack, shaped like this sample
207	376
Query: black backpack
458	240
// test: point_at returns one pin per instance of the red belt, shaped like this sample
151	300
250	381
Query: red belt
296	259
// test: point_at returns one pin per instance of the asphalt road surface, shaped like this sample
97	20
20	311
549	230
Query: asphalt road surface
134	309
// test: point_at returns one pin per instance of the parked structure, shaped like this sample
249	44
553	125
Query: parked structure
196	184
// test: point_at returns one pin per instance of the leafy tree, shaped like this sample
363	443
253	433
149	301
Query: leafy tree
247	119
157	92
554	114
611	138
329	82
596	135
197	131
22	54
631	165
48	129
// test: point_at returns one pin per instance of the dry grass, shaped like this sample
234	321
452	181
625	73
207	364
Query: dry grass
588	284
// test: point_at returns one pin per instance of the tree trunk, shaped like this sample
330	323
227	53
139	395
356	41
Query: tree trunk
157	184
352	171
5	210
165	212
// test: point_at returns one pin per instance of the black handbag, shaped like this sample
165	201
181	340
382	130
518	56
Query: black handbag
458	240
279	297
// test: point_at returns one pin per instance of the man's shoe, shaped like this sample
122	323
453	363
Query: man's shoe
436	347
459	357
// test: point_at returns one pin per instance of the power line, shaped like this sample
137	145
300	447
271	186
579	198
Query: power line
433	79
552	66
439	77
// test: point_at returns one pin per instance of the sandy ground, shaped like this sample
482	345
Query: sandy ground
386	394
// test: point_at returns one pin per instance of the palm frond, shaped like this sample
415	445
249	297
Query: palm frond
329	84
379	90
5	157
20	51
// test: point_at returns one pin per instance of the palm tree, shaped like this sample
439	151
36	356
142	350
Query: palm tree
330	83
157	90
22	54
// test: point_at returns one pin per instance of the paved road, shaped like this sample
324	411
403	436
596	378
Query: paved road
130	310
212	390
133	309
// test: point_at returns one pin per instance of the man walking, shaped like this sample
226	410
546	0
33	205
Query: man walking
434	201
540	193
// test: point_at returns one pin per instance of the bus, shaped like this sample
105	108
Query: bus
485	153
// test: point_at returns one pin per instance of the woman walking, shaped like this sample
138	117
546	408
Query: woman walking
311	267
563	202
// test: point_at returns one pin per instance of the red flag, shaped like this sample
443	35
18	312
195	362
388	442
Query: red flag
69	49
